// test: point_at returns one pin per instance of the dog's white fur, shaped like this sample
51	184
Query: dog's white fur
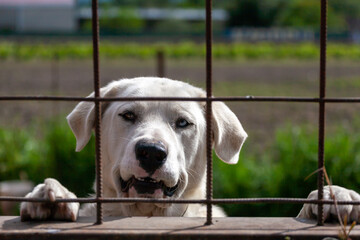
155	120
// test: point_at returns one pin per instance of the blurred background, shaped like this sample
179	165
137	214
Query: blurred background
261	48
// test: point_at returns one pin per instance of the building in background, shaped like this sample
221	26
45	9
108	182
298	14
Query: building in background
38	16
161	20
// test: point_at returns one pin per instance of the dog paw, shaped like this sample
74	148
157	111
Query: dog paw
352	212
51	190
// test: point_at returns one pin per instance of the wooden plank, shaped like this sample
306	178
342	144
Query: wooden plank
169	228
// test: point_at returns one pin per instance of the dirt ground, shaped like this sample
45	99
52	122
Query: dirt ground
231	78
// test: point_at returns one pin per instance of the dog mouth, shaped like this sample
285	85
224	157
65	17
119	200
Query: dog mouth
147	186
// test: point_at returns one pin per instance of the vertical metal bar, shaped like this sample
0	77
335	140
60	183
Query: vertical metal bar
160	61
95	35
209	171
321	155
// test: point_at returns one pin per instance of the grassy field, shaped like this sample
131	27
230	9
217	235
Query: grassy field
231	78
111	50
280	151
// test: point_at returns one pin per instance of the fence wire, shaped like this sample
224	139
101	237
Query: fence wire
99	199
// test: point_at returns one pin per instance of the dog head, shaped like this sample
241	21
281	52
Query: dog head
156	149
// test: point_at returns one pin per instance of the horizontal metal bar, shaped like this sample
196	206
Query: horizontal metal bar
225	99
182	201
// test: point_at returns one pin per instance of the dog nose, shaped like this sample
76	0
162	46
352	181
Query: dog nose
151	155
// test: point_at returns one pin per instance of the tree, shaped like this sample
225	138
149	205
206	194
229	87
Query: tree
125	21
350	9
293	13
306	14
254	13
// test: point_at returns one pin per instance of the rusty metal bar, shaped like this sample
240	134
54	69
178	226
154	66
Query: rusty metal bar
209	159
183	201
160	63
321	154
96	69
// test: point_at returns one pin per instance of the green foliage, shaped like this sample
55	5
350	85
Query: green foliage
350	8
75	170
306	14
124	20
270	51
280	169
266	13
292	13
254	13
20	156
47	150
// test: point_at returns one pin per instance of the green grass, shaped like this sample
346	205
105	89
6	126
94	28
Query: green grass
278	170
111	50
352	82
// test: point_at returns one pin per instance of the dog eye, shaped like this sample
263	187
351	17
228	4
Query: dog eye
182	123
128	116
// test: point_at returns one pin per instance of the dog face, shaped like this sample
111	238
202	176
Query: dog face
156	149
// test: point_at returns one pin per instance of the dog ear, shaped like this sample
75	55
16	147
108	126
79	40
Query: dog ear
82	119
228	134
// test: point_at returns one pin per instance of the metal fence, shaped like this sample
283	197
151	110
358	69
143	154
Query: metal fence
99	199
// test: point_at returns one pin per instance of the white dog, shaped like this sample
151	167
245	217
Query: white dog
153	149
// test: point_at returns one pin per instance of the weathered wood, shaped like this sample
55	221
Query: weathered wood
169	228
